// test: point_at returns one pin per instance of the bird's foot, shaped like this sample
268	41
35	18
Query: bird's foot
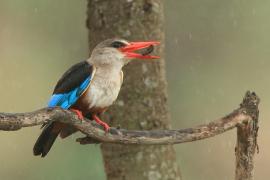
105	125
79	113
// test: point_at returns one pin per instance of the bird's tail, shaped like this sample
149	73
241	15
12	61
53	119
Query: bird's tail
47	138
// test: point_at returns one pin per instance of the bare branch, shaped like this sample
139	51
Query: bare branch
9	122
247	139
245	118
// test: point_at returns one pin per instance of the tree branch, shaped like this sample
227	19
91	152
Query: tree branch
238	118
247	139
245	118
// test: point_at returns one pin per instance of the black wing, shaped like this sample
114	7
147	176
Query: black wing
73	77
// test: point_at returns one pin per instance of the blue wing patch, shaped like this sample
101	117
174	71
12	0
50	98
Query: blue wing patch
65	100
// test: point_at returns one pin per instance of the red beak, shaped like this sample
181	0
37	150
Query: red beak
128	50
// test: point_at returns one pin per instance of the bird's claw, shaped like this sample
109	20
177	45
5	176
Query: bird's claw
79	113
103	124
106	127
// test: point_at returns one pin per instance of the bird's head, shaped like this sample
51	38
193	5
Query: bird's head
118	52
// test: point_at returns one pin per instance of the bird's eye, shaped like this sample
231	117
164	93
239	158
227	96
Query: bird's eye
118	44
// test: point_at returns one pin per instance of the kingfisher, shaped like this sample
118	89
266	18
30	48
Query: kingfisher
89	87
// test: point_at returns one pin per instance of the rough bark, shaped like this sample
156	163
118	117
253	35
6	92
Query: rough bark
247	139
95	133
142	102
244	118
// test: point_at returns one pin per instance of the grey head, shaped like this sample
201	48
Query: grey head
118	52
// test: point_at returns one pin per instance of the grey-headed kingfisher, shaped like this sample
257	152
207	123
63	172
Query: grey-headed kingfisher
89	87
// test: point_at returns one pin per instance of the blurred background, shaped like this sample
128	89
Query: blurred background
215	51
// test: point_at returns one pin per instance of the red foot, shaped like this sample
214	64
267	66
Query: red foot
79	113
105	125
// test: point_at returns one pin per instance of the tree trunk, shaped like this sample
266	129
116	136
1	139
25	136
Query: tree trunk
142	103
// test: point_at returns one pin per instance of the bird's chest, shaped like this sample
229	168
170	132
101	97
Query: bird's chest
103	90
